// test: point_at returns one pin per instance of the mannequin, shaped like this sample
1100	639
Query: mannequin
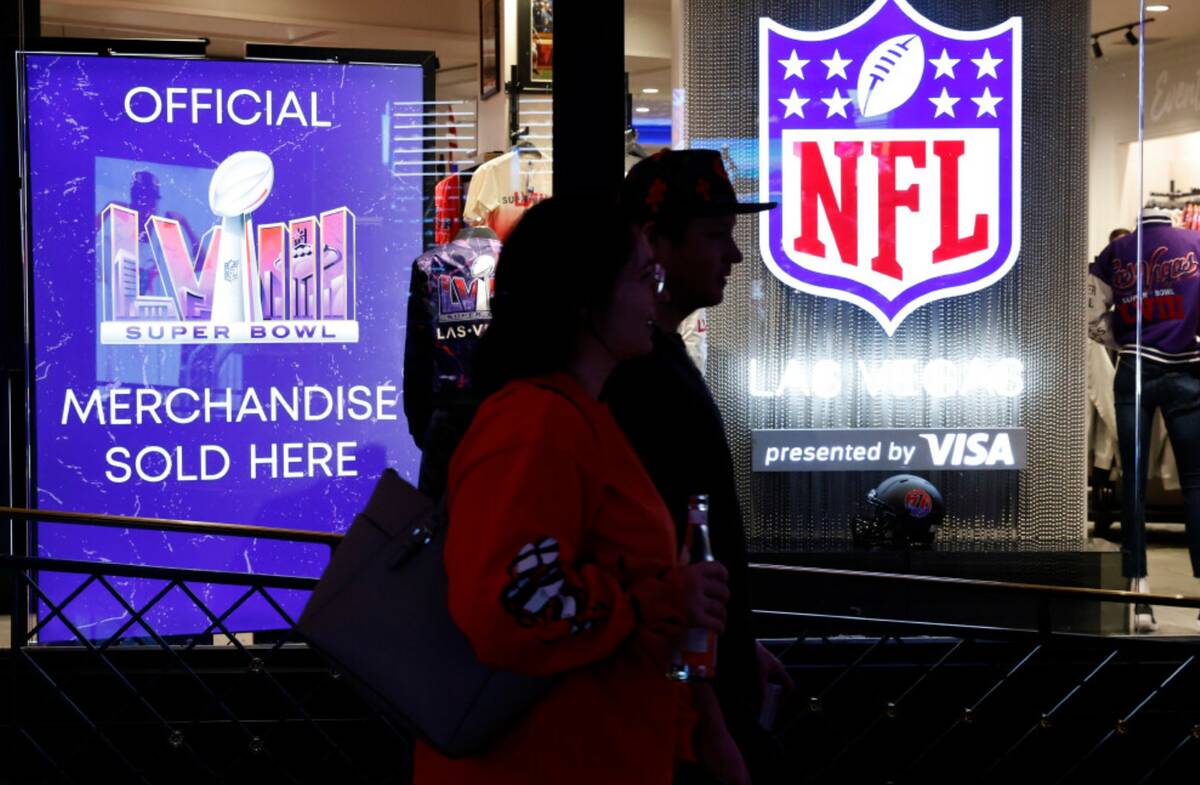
1169	375
449	310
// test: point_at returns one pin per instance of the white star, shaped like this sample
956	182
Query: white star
794	66
794	104
836	65
944	103
987	103
987	64
944	65
836	104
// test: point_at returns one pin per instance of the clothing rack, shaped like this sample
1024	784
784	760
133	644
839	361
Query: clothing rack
1173	195
1184	206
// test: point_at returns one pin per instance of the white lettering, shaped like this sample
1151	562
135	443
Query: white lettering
150	118
172	104
170	402
117	405
1001	451
309	394
93	402
940	378
252	119
251	405
198	103
140	463
977	449
294	460
148	402
205	451
898	378
291	110
256	461
112	456
827	379
939	447
317	123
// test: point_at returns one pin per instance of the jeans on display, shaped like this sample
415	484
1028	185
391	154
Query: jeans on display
1176	391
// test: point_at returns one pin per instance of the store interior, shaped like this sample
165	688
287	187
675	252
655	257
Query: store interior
1124	178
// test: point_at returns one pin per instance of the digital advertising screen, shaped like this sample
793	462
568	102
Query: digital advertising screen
220	254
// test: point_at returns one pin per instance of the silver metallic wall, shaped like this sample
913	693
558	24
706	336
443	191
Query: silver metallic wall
1035	313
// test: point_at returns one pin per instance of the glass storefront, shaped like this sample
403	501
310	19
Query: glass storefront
909	307
948	176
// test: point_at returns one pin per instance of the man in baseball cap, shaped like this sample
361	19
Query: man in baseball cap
685	203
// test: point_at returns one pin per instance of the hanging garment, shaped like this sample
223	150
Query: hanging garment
448	201
505	187
449	309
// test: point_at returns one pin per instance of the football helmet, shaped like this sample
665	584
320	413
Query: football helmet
906	512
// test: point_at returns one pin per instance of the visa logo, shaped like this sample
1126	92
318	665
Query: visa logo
970	449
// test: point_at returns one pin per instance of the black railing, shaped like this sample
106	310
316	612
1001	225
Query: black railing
877	700
886	700
136	705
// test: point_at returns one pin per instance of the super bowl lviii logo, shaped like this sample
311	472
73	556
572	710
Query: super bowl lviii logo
892	145
286	282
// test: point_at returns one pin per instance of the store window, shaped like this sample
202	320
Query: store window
1146	164
262	250
914	305
909	308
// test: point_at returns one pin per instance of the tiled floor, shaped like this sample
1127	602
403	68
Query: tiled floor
1170	573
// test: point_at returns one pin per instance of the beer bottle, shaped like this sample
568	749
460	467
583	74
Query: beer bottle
696	659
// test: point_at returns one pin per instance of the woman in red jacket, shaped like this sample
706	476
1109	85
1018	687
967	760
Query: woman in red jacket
560	555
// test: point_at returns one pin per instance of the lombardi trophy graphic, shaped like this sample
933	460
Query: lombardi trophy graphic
481	271
239	186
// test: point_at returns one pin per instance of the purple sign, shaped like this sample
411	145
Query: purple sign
220	263
892	145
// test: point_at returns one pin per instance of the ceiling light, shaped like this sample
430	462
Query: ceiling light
649	90
642	109
1130	37
1096	50
1158	9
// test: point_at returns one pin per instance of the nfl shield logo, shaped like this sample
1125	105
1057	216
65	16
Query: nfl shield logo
892	145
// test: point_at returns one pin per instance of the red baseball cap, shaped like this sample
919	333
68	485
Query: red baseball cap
682	184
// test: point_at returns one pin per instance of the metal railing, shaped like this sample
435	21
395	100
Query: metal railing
136	705
928	701
877	699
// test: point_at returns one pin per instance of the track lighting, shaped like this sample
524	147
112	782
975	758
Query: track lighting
1131	37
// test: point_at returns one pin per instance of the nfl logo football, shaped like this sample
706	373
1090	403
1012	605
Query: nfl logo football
241	184
890	75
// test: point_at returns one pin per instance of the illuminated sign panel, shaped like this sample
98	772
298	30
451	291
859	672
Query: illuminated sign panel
892	145
889	449
219	288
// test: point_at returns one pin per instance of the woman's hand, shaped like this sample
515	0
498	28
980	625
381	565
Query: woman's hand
705	592
689	596
770	670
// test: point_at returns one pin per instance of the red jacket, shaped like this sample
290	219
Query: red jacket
557	555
